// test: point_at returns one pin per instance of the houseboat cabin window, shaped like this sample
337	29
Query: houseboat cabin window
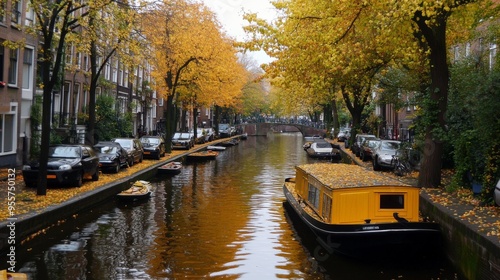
313	196
327	207
392	201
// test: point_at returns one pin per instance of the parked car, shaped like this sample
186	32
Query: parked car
496	193
383	153
367	148
154	146
209	134
67	165
343	135
134	149
358	142
224	130
183	140
112	156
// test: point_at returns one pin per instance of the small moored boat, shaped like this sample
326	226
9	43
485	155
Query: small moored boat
170	168
360	213
216	148
203	155
323	150
139	190
230	143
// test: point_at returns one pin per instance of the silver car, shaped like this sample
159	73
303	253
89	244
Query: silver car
383	154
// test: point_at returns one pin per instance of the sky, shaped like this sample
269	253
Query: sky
230	14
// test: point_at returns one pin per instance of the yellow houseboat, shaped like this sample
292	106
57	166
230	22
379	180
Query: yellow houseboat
360	213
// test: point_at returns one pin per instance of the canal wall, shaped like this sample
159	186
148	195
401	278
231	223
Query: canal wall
37	222
470	250
476	255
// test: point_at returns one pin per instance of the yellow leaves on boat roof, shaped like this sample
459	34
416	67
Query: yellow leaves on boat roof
339	175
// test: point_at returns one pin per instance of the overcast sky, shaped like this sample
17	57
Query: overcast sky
230	14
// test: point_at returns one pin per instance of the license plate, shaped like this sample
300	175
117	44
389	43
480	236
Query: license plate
146	153
51	176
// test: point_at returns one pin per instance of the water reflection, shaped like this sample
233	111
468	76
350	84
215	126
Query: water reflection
217	219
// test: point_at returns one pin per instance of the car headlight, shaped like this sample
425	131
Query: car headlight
65	167
26	167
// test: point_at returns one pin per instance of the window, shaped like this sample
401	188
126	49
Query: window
327	207
115	72
78	60
1	62
456	53
2	11
16	12
493	54
467	49
313	196
30	16
12	79
392	201
8	143
28	69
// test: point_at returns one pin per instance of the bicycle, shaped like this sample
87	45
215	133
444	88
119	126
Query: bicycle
401	167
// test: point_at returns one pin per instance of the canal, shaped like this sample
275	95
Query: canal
217	219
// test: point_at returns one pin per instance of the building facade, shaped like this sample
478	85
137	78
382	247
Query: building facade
17	81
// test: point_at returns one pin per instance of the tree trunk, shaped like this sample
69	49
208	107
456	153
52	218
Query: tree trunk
169	122
430	169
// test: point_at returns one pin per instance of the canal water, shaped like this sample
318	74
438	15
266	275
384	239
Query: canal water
223	218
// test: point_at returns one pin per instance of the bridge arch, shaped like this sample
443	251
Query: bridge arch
261	129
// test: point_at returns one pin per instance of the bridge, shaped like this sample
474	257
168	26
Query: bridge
262	129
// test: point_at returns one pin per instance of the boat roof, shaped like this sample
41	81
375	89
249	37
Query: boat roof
340	175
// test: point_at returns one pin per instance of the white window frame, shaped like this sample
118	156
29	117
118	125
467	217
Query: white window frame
13	129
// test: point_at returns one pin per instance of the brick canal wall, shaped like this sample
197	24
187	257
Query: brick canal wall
476	256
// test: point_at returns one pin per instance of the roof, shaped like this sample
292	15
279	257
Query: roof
340	175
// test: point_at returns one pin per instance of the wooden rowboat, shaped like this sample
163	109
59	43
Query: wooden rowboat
203	155
170	168
139	190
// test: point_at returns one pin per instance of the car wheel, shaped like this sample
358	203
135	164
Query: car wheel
140	159
131	162
362	156
95	177
79	180
117	168
376	166
159	156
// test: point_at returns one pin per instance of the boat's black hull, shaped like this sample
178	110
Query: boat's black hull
129	198
399	239
164	171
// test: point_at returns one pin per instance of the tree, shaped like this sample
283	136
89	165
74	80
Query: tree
107	33
189	55
55	20
351	41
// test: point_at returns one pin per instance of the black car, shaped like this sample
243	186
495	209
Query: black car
357	146
112	156
183	140
154	146
133	147
67	165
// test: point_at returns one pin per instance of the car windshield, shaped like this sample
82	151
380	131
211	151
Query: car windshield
126	144
372	144
106	149
64	152
150	141
390	146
